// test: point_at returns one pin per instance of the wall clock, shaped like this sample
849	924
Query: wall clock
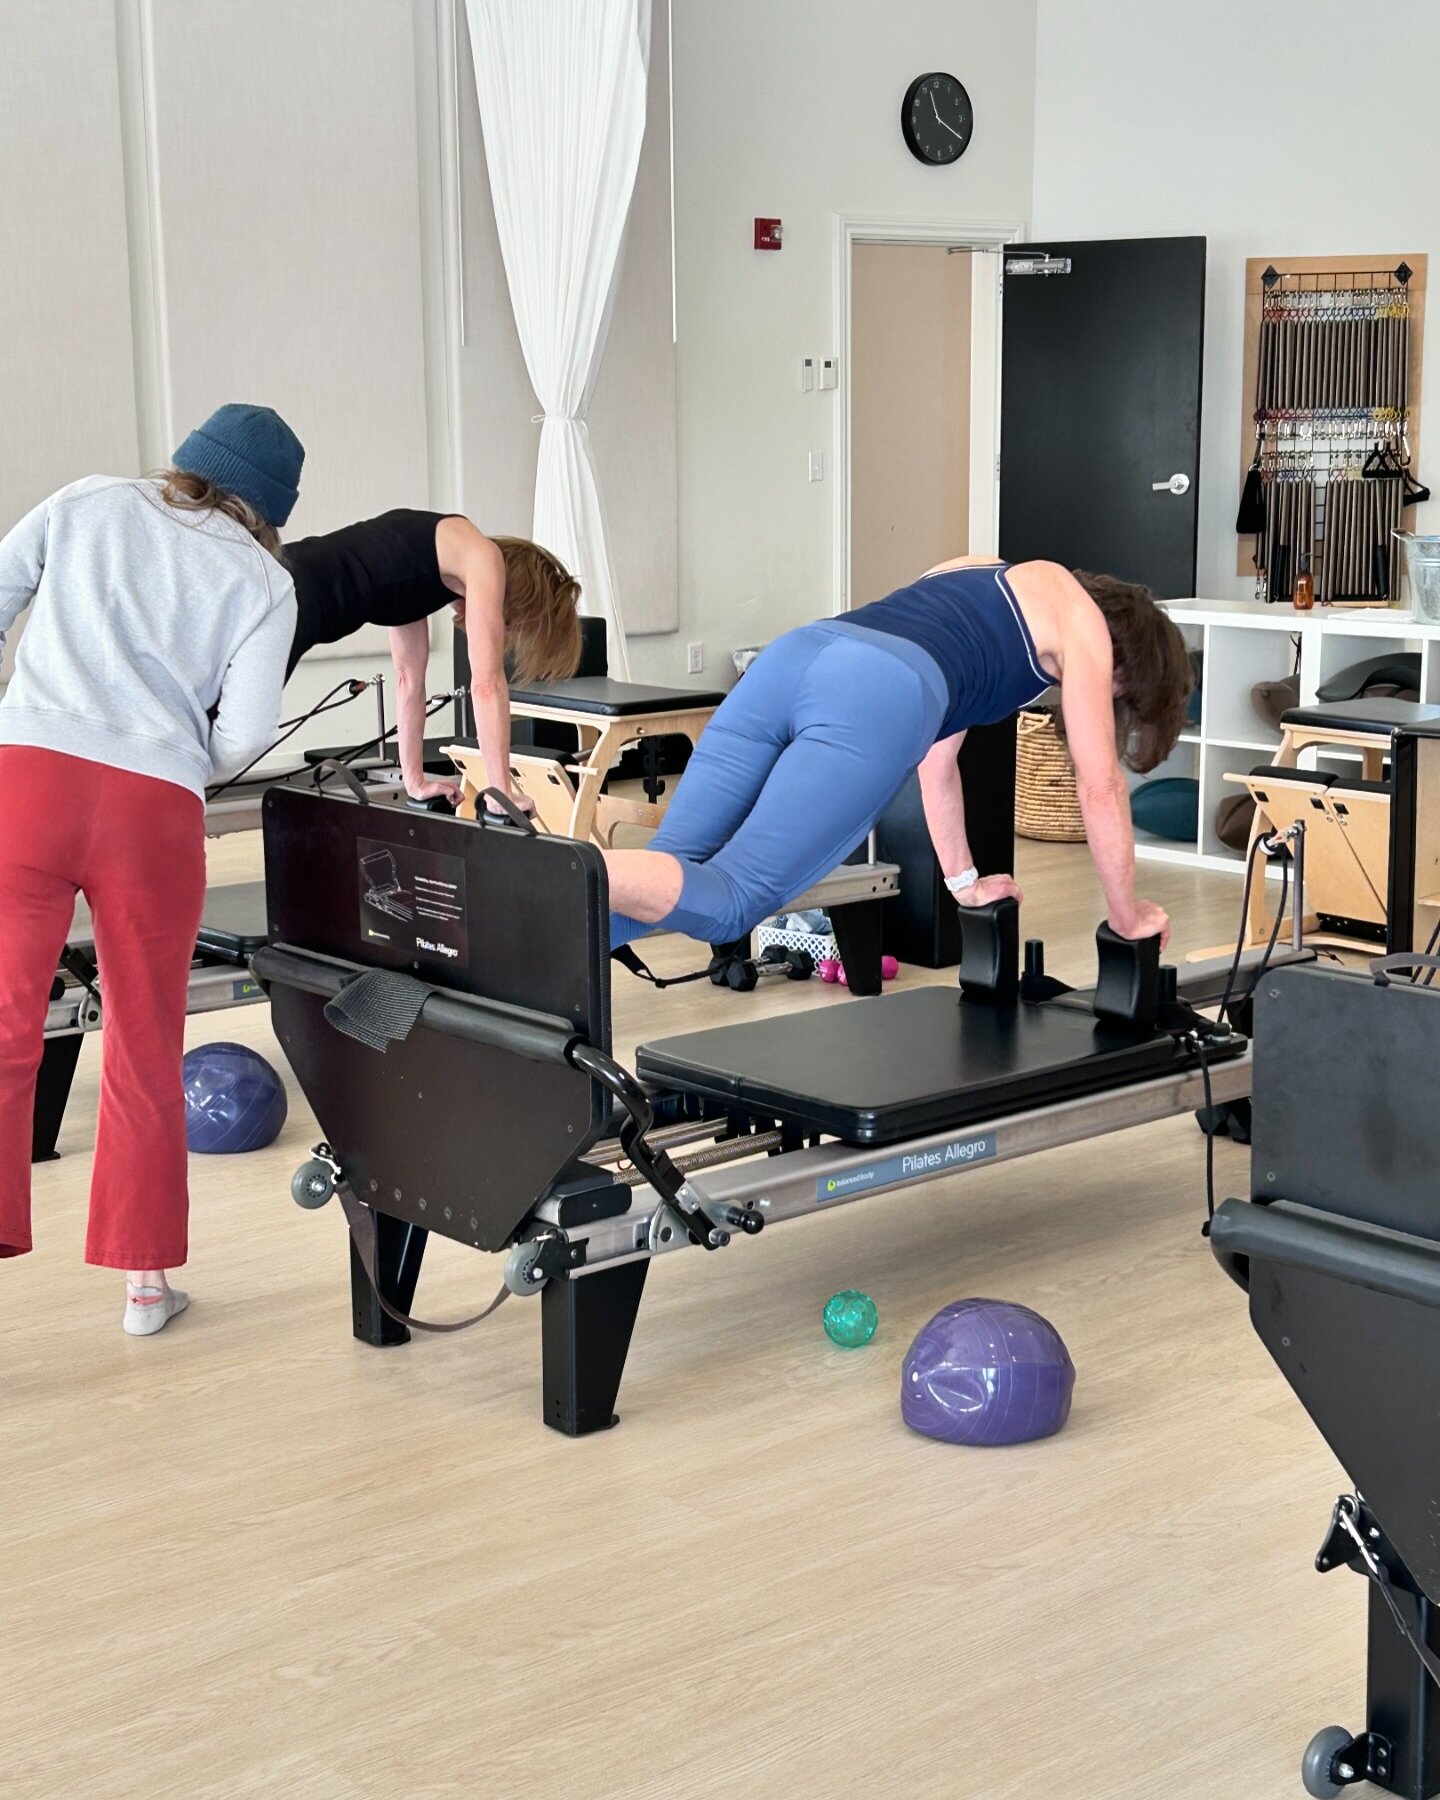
937	119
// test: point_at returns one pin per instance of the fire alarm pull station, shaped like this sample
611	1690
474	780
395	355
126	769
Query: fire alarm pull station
768	234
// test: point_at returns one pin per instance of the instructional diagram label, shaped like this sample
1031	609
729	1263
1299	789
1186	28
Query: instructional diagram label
910	1165
412	899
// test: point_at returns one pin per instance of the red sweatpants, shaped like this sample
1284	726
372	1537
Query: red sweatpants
136	847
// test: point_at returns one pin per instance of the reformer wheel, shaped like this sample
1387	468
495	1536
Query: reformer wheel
312	1184
1317	1766
521	1274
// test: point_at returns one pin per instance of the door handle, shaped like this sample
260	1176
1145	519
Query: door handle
1177	484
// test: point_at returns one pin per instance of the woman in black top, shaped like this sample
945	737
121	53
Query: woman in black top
506	594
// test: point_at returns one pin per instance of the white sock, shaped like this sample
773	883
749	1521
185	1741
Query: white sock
150	1309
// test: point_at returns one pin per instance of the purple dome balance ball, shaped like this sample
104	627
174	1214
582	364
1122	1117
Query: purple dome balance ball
986	1372
234	1100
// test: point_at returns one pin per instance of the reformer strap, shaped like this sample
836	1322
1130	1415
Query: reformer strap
333	766
361	1221
497	801
378	1008
627	959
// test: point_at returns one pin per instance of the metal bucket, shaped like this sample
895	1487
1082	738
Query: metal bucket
1422	570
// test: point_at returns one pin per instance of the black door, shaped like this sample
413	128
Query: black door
1100	407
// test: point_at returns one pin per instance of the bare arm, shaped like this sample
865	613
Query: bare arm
473	567
410	653
1088	704
943	795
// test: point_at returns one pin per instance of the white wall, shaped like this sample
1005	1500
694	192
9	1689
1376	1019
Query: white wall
288	257
65	372
909	413
210	200
791	109
1166	120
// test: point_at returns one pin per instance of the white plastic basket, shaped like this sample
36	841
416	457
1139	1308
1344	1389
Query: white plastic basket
820	948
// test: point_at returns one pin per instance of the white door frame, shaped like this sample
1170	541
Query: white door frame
859	228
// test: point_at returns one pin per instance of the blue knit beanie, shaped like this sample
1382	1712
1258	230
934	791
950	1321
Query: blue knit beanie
249	451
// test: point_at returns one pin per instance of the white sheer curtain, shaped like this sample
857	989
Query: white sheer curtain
562	105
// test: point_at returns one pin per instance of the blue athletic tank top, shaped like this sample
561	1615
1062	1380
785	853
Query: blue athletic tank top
969	622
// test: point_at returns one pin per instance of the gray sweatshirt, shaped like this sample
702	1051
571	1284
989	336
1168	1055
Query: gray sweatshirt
145	617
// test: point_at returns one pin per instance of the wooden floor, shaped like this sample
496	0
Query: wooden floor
255	1558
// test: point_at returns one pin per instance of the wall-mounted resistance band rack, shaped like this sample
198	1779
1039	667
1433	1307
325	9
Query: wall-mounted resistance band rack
1332	375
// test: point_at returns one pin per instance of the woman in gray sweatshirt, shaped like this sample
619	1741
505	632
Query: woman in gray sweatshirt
151	666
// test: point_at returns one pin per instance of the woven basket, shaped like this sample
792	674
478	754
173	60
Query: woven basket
819	948
1046	805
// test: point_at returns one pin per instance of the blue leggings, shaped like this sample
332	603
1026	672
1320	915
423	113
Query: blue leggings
798	763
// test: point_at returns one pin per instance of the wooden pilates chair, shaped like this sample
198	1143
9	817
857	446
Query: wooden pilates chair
1364	725
1346	855
1346	863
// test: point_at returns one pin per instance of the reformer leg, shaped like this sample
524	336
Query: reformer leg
399	1248
1402	1702
585	1327
859	935
52	1090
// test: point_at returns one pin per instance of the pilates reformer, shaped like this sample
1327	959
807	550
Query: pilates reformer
460	1068
1338	1250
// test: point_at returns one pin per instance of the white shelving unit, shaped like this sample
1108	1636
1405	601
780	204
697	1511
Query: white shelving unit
1244	642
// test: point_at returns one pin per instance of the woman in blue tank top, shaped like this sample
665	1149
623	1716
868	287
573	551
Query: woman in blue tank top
816	739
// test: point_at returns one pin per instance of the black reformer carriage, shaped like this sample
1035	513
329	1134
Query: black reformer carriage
453	1037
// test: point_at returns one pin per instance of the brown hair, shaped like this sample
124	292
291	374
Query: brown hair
192	493
542	627
1152	669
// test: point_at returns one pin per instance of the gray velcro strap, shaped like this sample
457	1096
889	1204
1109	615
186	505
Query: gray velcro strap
378	1008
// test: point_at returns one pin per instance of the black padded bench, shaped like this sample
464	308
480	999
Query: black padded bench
611	699
882	1070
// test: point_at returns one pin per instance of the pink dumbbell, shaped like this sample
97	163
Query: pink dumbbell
833	971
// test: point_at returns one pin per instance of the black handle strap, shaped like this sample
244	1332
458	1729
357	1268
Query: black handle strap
362	1231
332	766
503	804
628	959
1384	967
